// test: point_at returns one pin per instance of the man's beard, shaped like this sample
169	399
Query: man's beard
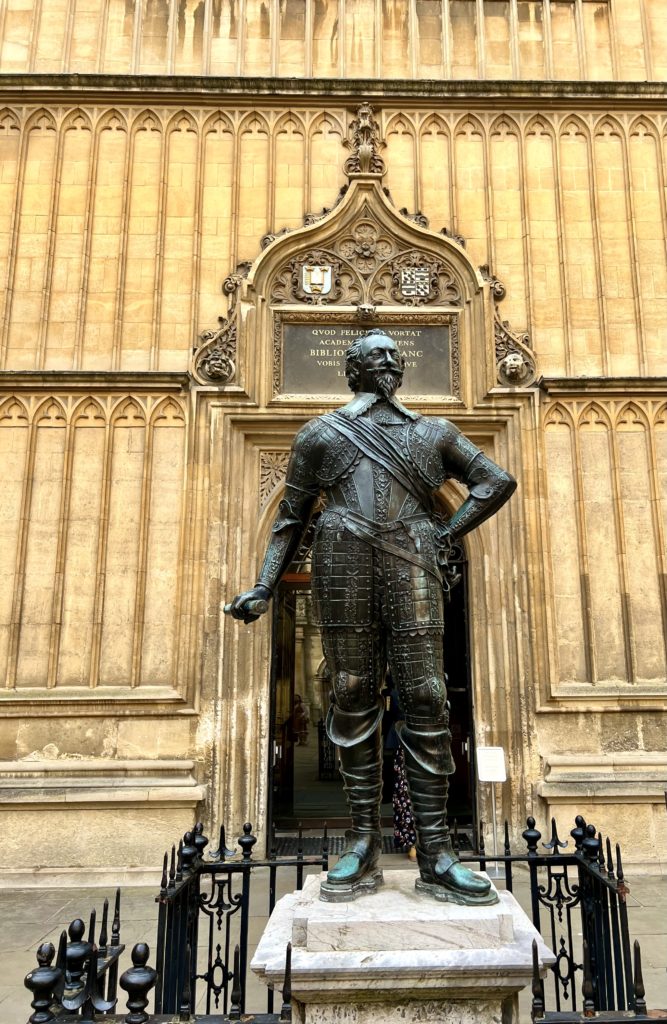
387	382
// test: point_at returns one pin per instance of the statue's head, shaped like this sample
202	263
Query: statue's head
373	363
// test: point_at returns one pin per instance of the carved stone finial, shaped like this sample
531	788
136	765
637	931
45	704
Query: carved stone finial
271	236
233	282
364	143
418	218
459	239
498	289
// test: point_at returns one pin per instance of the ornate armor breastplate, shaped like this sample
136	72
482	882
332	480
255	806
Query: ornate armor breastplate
422	448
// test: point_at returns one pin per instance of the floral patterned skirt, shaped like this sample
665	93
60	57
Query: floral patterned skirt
404	823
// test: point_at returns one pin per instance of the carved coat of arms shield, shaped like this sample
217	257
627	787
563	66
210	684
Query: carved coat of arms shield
415	281
316	279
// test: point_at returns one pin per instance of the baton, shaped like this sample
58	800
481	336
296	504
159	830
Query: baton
256	607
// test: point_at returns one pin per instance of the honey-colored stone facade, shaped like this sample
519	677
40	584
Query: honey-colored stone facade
135	493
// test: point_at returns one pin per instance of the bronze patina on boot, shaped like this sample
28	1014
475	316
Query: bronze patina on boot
428	763
443	876
357	872
357	734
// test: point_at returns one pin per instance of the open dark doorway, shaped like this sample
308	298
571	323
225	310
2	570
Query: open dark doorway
305	787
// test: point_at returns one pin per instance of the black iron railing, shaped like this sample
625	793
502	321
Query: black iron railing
84	978
576	897
204	906
578	903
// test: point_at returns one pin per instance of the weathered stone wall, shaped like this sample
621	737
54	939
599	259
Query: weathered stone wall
426	39
128	218
129	497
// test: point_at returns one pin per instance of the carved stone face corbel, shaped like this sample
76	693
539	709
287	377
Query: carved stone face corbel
214	359
515	359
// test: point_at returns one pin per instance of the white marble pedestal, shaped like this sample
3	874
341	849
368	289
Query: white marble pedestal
396	957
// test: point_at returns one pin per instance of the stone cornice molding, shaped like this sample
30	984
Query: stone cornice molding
164	381
180	89
603	386
638	776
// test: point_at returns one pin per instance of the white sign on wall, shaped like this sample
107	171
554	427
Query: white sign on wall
491	764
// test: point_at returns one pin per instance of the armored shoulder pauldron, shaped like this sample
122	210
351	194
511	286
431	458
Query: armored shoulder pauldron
339	454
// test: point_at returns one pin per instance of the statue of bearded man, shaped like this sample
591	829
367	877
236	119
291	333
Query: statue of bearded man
379	553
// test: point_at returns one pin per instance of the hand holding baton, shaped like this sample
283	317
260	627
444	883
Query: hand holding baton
256	606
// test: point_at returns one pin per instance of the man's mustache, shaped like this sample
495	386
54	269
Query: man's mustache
386	382
381	371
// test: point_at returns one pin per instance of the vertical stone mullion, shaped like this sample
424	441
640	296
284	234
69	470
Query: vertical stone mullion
582	544
144	525
620	532
154	356
446	40
61	555
634	254
101	559
21	547
195	289
40	347
600	275
117	341
14	227
79	330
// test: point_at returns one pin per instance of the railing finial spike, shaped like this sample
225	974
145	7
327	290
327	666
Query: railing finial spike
286	1008
537	988
638	980
587	989
236	994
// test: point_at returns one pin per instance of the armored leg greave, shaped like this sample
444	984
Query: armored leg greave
442	874
360	743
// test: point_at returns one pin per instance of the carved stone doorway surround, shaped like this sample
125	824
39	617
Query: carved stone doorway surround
246	422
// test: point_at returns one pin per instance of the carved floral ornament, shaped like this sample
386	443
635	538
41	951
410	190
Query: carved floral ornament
366	266
272	470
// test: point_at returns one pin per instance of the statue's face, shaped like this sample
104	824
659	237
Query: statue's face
381	369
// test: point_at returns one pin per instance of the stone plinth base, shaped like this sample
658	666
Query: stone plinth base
398	956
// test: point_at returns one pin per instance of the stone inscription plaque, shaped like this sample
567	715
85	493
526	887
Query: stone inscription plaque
313	357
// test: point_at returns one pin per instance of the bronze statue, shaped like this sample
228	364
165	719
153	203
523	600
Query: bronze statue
379	556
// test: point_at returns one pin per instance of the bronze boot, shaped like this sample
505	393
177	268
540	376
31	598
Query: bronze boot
356	871
442	875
